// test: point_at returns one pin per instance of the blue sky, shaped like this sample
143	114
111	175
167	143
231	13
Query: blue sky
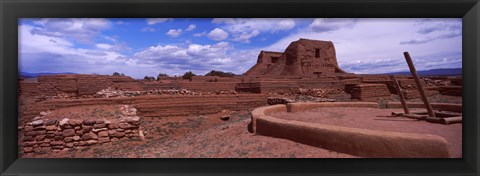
142	47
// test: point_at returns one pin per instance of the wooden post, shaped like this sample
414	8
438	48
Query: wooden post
400	95
419	86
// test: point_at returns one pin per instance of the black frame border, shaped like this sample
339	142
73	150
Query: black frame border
11	10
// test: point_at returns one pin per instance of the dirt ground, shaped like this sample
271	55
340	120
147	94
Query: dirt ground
196	137
380	119
207	136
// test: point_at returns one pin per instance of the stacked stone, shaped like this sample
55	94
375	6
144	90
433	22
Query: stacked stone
46	135
368	91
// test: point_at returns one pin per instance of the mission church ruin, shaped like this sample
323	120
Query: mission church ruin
303	57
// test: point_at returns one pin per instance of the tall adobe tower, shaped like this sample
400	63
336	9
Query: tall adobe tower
303	57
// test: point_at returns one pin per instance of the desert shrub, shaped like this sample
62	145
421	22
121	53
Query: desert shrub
161	75
150	78
188	75
220	73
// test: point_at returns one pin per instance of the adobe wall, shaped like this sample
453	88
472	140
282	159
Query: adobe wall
157	106
265	60
359	142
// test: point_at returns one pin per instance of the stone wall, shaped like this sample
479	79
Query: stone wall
46	135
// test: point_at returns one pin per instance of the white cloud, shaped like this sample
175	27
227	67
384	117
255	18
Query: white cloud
217	34
174	32
245	37
81	30
152	21
243	29
373	45
191	27
200	34
44	53
285	24
148	29
331	24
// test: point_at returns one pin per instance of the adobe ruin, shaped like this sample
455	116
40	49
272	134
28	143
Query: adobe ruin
303	57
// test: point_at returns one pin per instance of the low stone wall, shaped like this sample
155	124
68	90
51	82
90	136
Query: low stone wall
450	90
46	135
359	142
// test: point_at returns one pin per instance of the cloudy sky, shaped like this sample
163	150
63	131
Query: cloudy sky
145	47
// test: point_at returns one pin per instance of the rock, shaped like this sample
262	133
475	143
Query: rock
51	128
75	122
106	121
37	118
68	133
37	149
29	143
76	138
63	122
102	125
68	139
40	132
89	136
28	138
43	113
28	128
99	129
30	133
58	133
39	128
103	140
37	122
100	122
114	139
110	132
40	137
118	134
58	138
51	122
87	129
57	143
79	133
77	127
140	134
89	122
90	142
58	147
125	126
102	134
225	117
134	119
69	145
45	145
47	141
20	128
28	150
49	136
113	125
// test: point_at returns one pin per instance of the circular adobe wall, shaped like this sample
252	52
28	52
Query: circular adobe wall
355	141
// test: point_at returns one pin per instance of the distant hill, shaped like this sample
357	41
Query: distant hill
34	75
433	72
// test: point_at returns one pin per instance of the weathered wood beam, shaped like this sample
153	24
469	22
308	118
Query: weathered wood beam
400	94
419	85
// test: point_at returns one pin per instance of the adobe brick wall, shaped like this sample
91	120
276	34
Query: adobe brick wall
368	92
